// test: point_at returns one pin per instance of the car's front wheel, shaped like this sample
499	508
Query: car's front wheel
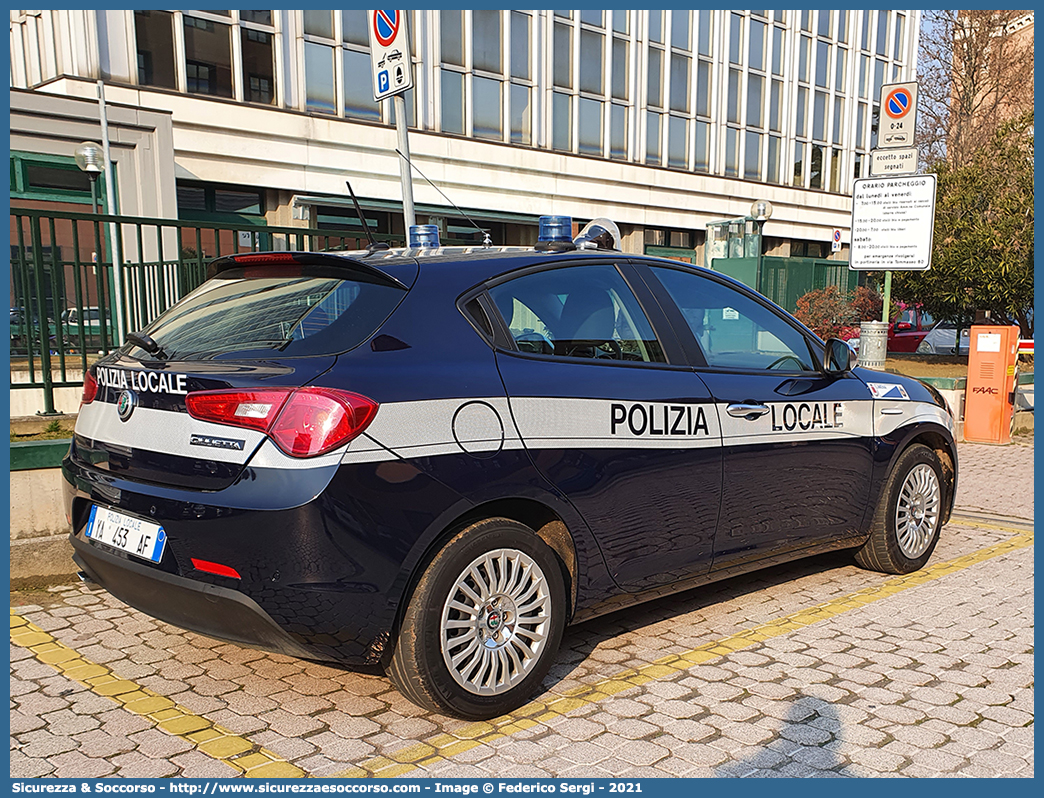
484	623
906	524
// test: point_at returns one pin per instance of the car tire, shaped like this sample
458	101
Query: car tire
906	523
484	623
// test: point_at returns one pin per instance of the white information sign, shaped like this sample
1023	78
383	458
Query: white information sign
892	223
988	342
898	115
390	63
898	161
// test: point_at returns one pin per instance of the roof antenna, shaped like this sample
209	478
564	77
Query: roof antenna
486	240
374	245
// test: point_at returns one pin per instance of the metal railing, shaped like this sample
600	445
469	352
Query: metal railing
64	286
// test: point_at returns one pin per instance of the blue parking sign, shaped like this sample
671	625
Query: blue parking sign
383	82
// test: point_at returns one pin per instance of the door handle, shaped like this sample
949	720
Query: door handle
747	411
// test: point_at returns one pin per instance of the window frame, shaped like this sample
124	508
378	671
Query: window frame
674	356
683	332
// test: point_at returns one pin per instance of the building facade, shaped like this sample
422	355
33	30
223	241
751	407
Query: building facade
664	121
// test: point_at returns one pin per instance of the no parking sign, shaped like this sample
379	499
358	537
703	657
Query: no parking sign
390	62
898	115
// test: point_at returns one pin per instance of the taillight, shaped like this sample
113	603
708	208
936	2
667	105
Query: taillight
90	388
303	423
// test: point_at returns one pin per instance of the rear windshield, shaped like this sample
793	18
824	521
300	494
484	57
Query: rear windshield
256	313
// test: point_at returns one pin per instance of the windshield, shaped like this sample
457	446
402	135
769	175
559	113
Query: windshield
251	313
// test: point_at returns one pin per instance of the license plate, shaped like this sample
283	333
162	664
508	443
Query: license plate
132	535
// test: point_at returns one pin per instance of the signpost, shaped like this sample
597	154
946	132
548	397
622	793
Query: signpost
392	70
898	115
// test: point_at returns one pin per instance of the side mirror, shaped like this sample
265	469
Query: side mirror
903	326
838	357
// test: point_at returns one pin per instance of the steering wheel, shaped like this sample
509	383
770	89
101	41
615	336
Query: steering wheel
541	344
778	362
616	354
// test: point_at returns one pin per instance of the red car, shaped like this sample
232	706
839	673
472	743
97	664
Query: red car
909	329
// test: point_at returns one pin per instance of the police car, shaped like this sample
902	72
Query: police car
436	458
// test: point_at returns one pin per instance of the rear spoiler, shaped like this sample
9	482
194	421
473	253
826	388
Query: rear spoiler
226	262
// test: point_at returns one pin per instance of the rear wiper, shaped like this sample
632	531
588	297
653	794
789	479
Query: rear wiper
146	342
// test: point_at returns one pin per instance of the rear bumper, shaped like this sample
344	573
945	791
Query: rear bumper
197	606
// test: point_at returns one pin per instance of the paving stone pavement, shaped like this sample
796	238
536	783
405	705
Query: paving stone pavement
932	680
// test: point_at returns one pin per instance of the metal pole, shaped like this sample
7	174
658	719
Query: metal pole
405	174
887	297
94	191
110	196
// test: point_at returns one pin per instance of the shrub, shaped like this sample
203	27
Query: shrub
825	311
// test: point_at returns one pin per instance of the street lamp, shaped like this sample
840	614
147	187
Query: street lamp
90	158
760	211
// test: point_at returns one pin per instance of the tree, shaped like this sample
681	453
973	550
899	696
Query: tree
975	72
982	256
831	314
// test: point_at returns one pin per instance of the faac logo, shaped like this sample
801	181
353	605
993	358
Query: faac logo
652	419
985	389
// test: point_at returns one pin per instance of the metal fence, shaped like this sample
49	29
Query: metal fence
64	297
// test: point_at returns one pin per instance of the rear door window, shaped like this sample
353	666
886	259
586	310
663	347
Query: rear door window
252	313
583	311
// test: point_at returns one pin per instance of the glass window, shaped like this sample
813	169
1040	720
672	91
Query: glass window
154	33
485	41
621	69
452	102
563	56
580	312
358	94
564	14
656	26
799	164
801	112
756	50
815	173
857	166
864	39
677	142
562	122
681	67
621	21
703	69
835	171
618	132
208	57
680	30
258	69
706	29
864	75
824	23
804	56
319	79
655	88
819	117
53	176
733	330
839	115
752	156
897	50
736	39
652	138
702	162
451	37
734	101
775	105
260	17
486	110
355	27
860	124
822	63
319	23
778	37
230	201
520	45
879	73
591	17
773	159
191	198
806	21
521	115
591	62
731	152
590	127
755	94
842	26
882	33
839	71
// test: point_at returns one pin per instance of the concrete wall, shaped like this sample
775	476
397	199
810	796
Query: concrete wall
40	549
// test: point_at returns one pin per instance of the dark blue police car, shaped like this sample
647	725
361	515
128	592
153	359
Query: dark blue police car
437	458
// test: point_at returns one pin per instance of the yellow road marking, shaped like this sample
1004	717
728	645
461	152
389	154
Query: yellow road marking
412	757
208	737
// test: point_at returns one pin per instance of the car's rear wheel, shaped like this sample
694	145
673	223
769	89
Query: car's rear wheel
484	623
906	524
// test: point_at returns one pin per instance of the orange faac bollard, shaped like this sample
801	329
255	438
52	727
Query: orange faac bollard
989	400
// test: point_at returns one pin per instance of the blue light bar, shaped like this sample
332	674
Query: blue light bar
424	235
556	228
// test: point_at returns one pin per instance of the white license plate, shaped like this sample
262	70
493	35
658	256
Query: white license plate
132	535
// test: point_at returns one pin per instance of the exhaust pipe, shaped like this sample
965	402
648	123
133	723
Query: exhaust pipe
85	578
